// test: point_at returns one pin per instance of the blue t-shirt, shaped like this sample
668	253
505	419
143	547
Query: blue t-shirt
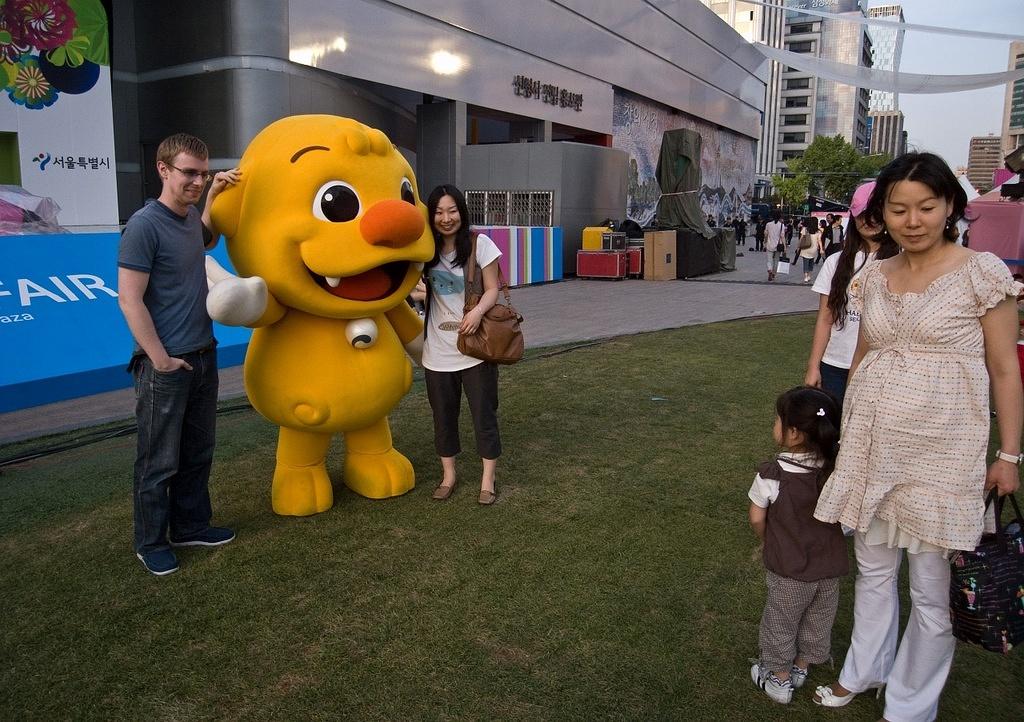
170	248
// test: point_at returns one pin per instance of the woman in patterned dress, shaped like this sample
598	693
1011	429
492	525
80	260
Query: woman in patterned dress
937	334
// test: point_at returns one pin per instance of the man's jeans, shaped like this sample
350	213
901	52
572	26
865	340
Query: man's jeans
176	414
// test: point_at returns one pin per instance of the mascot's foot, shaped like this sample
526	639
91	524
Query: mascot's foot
301	490
378	476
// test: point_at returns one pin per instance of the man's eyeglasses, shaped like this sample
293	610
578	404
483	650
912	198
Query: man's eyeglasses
191	174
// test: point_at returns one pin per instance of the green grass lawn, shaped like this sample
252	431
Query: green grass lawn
614	578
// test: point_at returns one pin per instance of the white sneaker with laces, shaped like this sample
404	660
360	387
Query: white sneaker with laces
780	690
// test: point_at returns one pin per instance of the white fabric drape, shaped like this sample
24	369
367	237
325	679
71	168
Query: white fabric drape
895	82
882	23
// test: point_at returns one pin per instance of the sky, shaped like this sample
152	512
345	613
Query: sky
944	123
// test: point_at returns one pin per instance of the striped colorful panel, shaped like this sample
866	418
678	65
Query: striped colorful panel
556	254
500	236
539	245
522	256
529	254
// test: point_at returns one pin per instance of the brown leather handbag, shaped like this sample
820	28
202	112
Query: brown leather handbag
498	338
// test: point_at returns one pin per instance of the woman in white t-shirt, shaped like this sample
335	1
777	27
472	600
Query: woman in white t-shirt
811	238
447	372
837	325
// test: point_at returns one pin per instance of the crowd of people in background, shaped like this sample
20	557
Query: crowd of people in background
826	237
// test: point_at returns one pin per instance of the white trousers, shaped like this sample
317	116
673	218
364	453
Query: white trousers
915	674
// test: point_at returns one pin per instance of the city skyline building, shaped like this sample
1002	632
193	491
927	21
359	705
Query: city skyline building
886	133
887	49
798	105
812	106
1013	106
983	158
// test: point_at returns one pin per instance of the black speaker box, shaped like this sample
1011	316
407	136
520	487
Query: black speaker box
695	254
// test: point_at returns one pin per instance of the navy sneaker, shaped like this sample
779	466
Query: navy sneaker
212	536
160	563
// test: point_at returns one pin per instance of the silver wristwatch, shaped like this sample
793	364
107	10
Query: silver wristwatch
1010	457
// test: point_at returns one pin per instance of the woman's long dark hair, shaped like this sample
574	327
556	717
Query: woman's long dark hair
838	297
799	408
463	238
926	168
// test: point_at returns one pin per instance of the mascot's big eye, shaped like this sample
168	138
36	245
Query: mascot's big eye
336	201
408	194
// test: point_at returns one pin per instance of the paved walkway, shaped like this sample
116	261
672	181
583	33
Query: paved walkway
555	313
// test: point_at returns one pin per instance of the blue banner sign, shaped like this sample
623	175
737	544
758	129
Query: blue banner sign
62	334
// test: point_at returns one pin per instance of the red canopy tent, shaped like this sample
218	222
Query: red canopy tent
997	226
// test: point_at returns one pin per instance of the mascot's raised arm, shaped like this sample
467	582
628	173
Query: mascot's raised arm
329	236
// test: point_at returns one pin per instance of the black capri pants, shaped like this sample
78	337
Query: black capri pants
444	391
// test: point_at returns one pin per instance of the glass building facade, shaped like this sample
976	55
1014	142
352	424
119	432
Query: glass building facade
799	105
887	45
815	106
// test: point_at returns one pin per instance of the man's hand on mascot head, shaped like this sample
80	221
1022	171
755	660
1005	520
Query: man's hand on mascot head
222	180
234	301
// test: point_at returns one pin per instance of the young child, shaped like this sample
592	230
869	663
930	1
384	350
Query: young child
803	557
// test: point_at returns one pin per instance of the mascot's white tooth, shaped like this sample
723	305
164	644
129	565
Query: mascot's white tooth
332	281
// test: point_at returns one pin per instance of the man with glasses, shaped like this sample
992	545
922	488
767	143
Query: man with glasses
162	293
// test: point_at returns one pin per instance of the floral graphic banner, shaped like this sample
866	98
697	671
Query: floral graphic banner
49	47
58	118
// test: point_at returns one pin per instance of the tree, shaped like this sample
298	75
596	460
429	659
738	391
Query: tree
836	167
792	189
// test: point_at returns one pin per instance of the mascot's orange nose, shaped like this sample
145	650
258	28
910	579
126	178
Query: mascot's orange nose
392	223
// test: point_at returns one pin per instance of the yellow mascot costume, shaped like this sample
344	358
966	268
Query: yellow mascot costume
329	236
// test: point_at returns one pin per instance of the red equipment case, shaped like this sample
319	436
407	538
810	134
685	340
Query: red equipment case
635	257
601	264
